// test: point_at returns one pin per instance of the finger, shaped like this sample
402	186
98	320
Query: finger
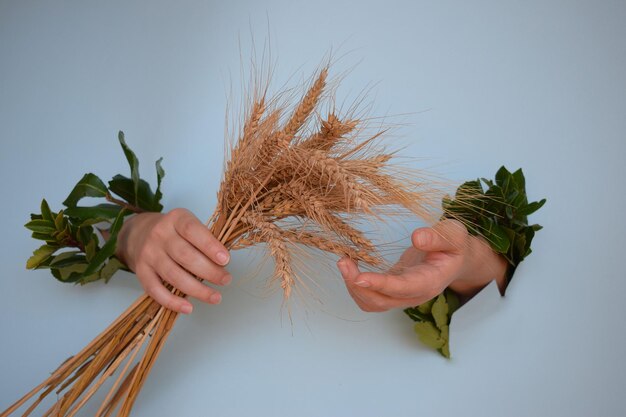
366	299
349	269
409	285
194	261
350	272
171	272
445	236
390	285
153	286
372	301
190	228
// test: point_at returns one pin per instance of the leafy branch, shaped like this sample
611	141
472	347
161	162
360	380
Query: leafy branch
73	251
500	215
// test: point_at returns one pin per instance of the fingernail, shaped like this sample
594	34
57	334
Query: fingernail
222	257
227	279
342	267
186	309
364	284
215	298
422	238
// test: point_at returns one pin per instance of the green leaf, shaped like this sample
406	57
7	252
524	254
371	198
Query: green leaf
429	334
40	255
531	207
41	226
425	308
108	249
133	162
469	188
453	303
160	174
495	194
124	187
84	234
60	222
445	335
503	177
518	178
46	213
43	236
71	273
488	182
91	247
415	314
445	350
110	269
67	259
440	311
89	186
495	235
100	212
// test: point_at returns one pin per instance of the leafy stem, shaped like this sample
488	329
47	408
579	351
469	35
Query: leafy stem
124	204
74	228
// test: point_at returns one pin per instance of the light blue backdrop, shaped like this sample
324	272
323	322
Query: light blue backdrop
536	84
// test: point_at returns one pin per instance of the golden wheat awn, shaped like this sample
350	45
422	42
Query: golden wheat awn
298	177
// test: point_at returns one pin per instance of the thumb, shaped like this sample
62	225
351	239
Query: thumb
445	236
349	269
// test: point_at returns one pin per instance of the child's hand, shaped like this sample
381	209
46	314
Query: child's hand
174	247
442	256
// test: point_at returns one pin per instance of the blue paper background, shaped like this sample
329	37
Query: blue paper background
536	84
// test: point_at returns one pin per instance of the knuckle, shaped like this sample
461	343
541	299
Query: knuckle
152	290
221	278
159	232
170	303
225	277
205	294
211	245
177	213
144	256
185	255
185	226
172	275
197	290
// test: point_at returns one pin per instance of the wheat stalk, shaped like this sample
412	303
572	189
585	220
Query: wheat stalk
283	185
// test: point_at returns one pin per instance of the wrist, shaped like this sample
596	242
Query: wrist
130	235
483	266
121	250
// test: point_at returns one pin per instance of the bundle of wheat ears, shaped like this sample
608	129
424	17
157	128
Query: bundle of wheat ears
298	174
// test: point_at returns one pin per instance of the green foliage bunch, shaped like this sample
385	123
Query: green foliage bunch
433	320
73	249
498	213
